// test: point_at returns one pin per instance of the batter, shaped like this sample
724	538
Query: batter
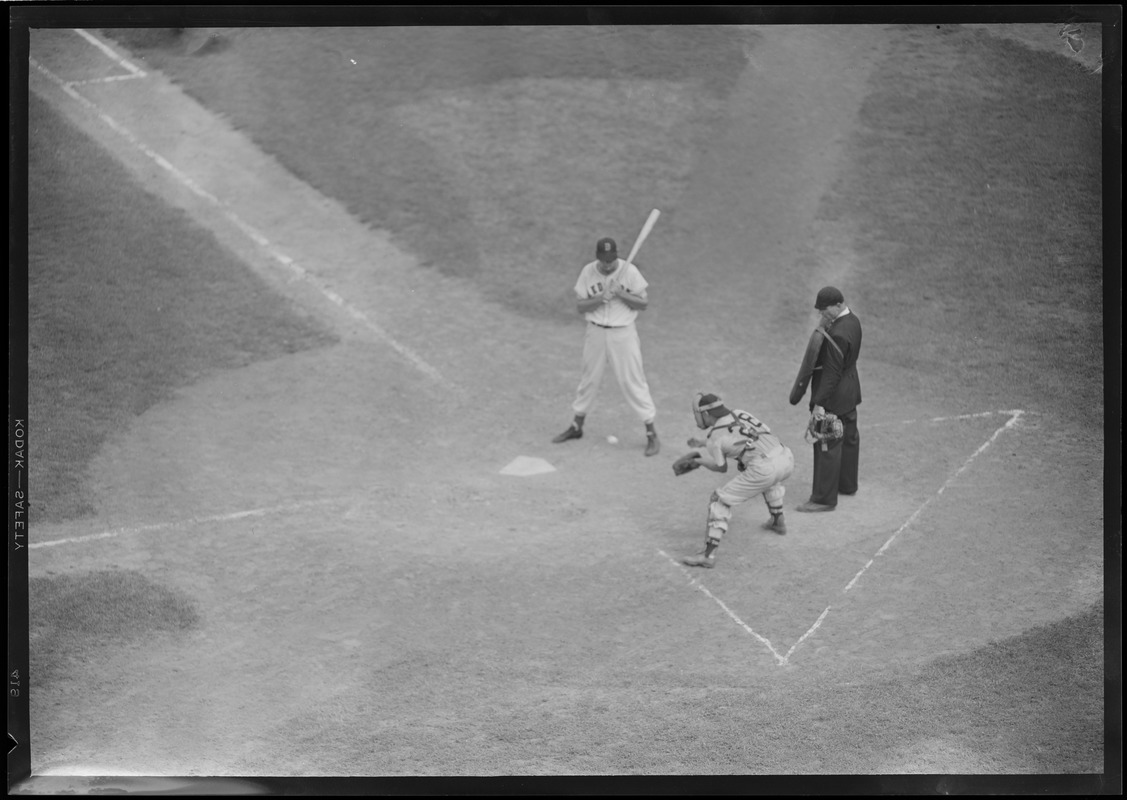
610	292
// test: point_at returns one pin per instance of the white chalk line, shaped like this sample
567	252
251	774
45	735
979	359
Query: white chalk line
110	79
696	584
813	628
1015	417
940	419
256	236
1011	422
164	526
134	70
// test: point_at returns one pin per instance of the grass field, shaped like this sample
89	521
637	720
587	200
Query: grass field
969	201
121	316
978	232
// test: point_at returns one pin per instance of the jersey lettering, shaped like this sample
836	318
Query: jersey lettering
746	430
748	425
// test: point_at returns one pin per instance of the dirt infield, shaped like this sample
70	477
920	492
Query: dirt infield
375	596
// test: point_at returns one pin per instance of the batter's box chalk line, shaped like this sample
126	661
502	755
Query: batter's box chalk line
194	521
784	659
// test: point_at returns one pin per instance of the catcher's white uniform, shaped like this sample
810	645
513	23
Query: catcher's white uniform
763	461
612	338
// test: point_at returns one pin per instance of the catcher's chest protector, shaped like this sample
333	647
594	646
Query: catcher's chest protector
747	427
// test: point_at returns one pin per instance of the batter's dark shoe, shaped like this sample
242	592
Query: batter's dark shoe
699	560
653	444
571	433
810	506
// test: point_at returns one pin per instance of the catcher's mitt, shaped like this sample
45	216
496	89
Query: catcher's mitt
826	429
686	463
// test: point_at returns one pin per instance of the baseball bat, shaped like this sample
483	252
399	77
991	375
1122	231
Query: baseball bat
649	226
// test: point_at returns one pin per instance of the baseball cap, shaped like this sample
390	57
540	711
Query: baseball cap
828	296
606	249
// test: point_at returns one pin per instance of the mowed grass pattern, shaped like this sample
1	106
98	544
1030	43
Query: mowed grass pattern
1026	704
497	154
128	299
75	616
974	198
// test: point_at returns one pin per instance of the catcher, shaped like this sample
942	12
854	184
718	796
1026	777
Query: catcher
764	463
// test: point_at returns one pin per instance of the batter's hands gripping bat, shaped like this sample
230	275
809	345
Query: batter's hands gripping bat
649	226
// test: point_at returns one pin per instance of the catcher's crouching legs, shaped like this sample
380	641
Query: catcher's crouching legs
719	513
773	497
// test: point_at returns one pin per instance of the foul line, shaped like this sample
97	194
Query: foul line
697	585
163	526
1015	417
979	415
133	69
250	231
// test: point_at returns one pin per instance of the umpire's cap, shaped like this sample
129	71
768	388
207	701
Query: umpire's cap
828	296
606	250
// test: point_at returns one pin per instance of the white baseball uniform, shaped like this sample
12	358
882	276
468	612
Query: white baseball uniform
764	463
612	338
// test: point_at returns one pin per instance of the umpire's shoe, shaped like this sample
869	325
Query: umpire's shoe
572	432
653	444
811	507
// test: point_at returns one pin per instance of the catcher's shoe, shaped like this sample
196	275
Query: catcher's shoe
572	432
700	560
653	444
777	523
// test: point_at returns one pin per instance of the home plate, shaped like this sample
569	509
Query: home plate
526	465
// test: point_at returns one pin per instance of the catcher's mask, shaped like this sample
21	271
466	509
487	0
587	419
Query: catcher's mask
706	402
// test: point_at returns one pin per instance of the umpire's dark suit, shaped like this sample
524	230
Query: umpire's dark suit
836	387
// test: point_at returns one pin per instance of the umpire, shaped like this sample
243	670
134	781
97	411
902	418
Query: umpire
835	389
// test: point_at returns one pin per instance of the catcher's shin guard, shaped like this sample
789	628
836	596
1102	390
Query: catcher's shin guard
719	513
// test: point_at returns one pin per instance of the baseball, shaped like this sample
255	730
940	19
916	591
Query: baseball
612	439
